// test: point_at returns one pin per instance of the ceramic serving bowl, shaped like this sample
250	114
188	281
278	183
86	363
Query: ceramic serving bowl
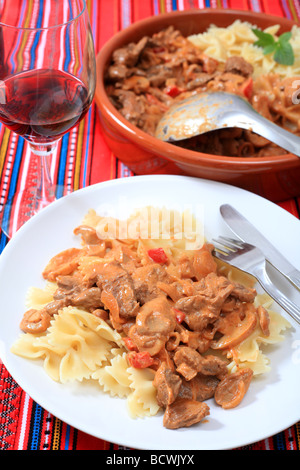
274	177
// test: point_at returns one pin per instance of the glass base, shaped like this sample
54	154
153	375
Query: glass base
22	207
31	200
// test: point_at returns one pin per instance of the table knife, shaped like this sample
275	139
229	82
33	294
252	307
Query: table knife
244	230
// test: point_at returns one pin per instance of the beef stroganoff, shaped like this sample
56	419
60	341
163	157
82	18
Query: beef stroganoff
152	321
144	79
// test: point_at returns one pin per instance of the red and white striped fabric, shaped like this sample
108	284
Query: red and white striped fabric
83	159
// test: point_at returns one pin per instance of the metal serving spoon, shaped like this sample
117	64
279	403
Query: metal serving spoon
217	110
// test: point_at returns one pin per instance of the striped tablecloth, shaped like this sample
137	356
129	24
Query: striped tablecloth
83	159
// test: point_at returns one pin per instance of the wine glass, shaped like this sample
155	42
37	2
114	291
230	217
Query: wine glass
47	84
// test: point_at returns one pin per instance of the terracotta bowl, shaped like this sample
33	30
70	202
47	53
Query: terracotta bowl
274	177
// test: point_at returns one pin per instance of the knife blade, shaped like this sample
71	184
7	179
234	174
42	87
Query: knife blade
246	232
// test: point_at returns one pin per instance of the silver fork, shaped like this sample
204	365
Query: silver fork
250	259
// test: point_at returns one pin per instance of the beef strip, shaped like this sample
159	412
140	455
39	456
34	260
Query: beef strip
184	413
114	279
204	386
199	80
158	74
167	384
52	308
200	388
145	280
66	286
243	293
238	65
130	54
187	361
205	307
89	299
132	106
213	365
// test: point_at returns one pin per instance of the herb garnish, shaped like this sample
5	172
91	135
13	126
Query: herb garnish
283	51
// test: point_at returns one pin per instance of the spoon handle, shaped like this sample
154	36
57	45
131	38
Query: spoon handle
269	130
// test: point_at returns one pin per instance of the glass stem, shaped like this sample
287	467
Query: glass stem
45	192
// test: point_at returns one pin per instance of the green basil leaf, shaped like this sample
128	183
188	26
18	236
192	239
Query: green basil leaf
264	39
285	37
283	51
284	54
269	49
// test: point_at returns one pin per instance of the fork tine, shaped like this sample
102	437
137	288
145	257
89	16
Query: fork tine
221	254
220	248
230	242
221	251
227	245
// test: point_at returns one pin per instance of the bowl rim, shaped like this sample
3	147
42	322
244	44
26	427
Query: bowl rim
167	150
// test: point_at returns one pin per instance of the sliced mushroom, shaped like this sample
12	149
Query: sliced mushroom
204	262
240	332
88	234
232	389
110	303
35	321
264	320
136	83
62	264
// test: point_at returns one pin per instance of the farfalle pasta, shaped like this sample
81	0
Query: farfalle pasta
142	400
238	39
75	345
114	377
80	346
39	297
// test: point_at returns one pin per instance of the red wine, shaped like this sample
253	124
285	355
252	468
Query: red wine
42	105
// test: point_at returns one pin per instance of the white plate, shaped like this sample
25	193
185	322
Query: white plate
272	403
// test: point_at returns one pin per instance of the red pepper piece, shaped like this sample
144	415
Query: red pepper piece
130	344
158	255
179	315
173	91
140	360
247	88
